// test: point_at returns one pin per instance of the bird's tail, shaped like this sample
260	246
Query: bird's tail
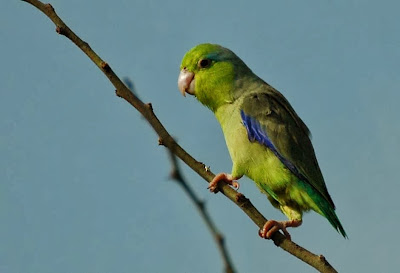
329	213
325	208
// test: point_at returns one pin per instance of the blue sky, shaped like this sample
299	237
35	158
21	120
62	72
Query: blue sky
84	184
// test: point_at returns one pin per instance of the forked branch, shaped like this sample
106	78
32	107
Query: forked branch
316	261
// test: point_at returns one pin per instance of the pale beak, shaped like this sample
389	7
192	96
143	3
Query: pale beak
186	82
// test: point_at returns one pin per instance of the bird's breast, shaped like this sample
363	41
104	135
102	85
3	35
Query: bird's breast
252	159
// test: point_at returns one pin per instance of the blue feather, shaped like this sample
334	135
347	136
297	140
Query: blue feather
256	132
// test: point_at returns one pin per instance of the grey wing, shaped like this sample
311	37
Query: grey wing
270	120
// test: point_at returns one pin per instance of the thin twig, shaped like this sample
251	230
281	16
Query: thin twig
219	239
316	261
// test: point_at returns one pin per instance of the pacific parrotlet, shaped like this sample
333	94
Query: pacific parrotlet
266	139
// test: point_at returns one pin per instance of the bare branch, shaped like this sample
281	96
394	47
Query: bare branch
219	239
316	261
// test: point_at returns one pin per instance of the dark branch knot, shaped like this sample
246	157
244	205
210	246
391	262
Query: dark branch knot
174	175
49	7
105	66
60	30
322	258
117	93
150	106
240	198
201	204
220	238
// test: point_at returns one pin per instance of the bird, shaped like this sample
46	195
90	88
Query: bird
266	139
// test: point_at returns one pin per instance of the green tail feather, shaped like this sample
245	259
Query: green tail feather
329	213
325	208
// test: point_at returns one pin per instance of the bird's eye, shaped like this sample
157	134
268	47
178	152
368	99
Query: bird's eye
204	63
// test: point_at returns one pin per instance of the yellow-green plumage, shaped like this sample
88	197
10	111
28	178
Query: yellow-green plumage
266	139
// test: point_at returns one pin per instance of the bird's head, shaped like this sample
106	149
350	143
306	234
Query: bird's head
210	72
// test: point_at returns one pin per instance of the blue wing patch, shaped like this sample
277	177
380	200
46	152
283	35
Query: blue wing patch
255	132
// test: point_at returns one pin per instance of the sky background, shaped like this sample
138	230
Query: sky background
84	186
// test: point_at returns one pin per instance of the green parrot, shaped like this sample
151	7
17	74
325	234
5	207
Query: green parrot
266	139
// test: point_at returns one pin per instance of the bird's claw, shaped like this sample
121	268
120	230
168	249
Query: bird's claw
227	178
213	187
235	185
272	226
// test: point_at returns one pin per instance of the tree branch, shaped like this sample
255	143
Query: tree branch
317	261
219	239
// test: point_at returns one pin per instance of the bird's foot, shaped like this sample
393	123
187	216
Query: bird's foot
227	178
272	226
